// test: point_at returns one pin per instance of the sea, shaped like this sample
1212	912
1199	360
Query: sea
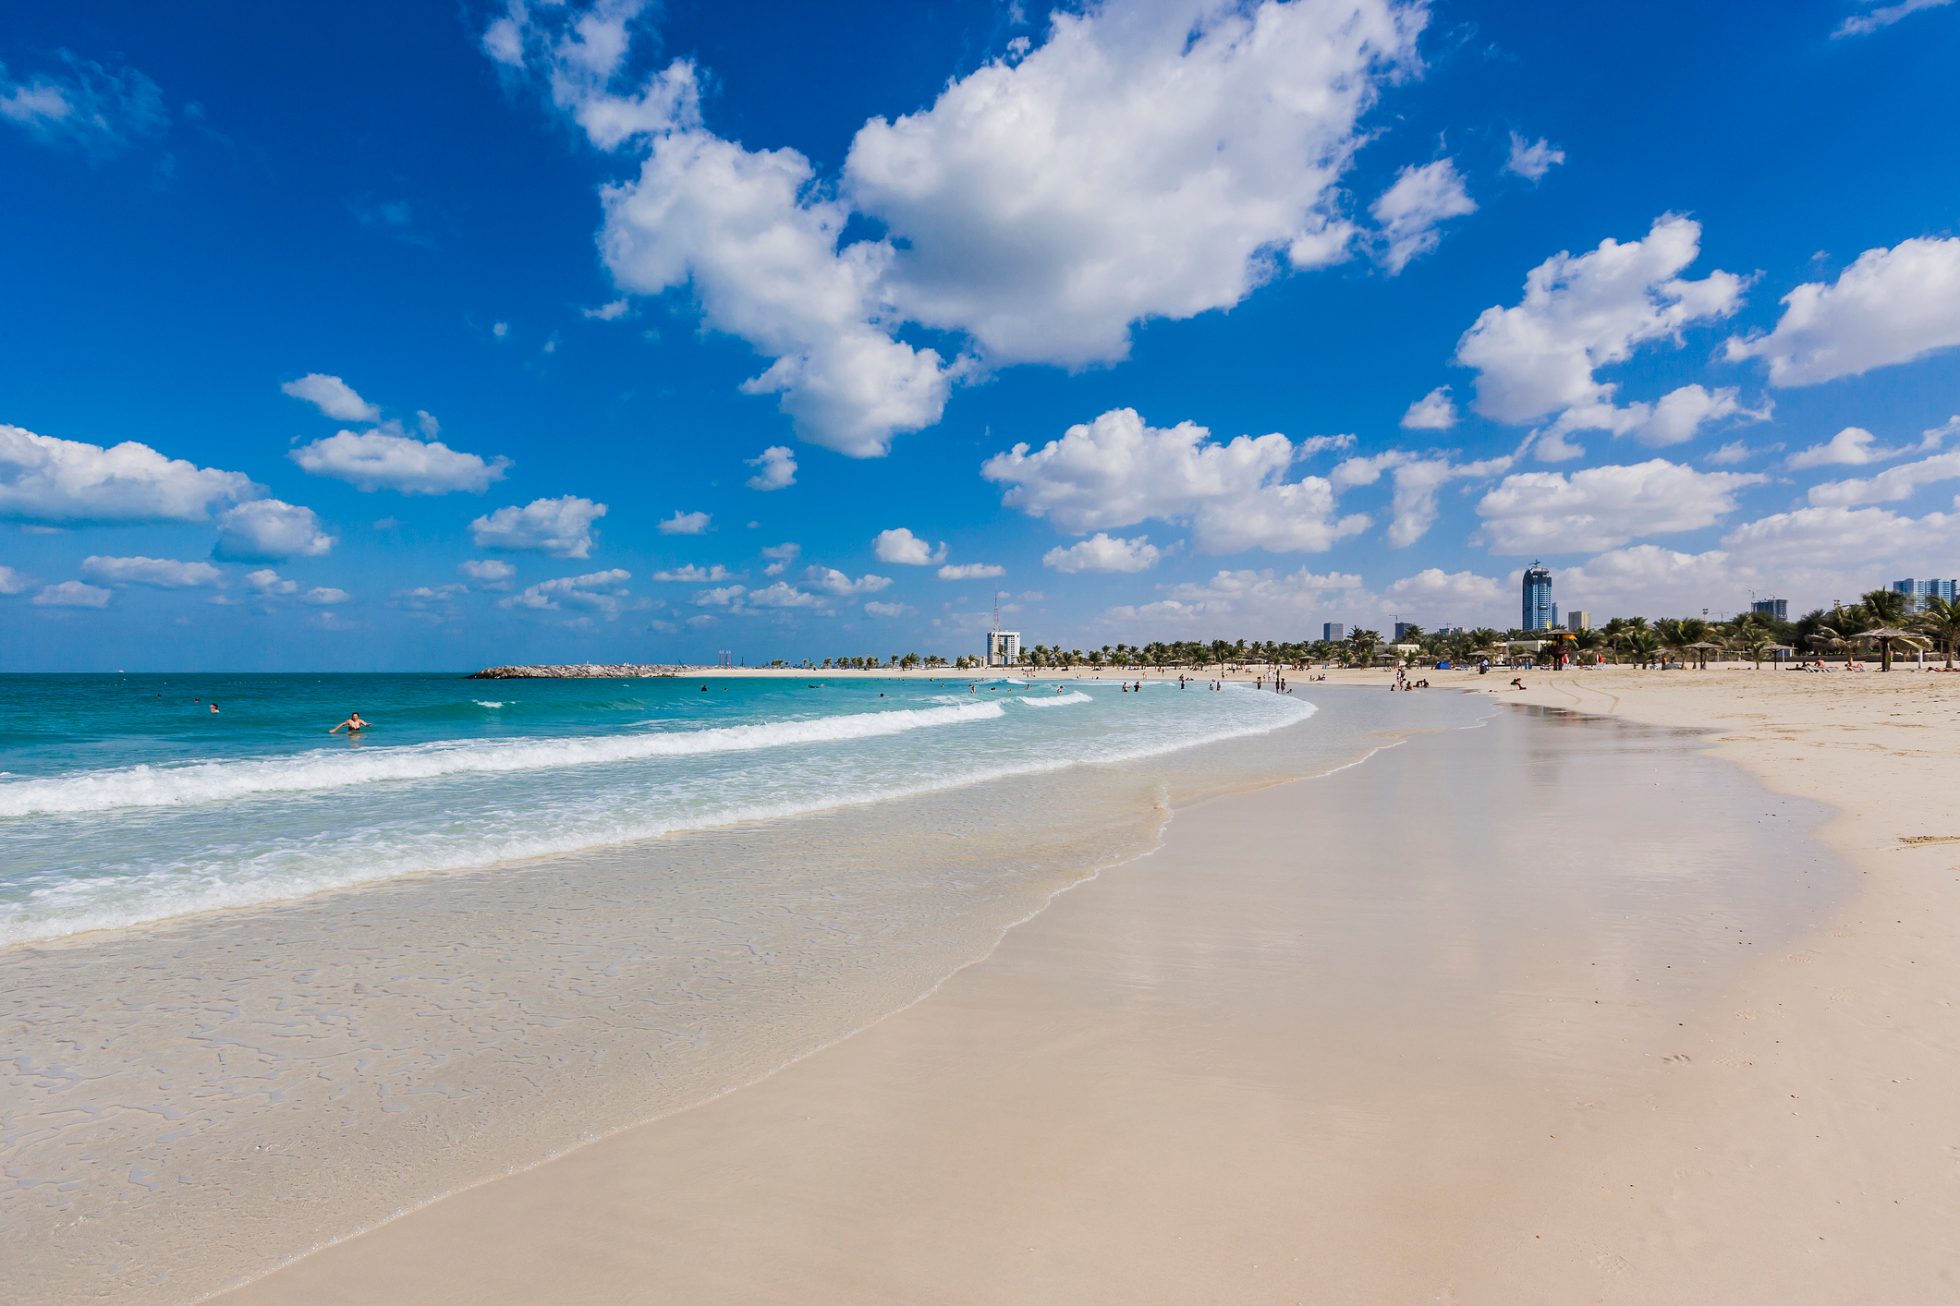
126	799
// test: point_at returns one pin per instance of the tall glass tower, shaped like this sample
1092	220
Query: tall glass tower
1540	613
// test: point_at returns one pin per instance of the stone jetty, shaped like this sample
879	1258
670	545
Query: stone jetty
578	671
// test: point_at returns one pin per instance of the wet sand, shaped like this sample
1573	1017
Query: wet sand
1458	1024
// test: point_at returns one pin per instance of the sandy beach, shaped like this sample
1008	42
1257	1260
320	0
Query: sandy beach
1613	1018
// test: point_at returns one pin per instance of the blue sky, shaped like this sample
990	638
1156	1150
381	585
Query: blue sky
325	338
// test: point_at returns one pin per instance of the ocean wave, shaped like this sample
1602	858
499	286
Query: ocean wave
216	782
1056	700
88	903
488	702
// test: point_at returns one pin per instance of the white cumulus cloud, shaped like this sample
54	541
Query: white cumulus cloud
694	575
1891	485
1117	471
971	571
72	594
561	527
491	573
685	523
1104	552
1891	306
1532	159
12	582
603	592
388	459
775	469
1605	507
832	581
71	483
1142	161
901	547
332	396
1435	411
159	573
1676	418
267	530
1410	211
1854	446
1582	312
268	582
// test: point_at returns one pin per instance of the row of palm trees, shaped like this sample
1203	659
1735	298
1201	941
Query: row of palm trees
1881	619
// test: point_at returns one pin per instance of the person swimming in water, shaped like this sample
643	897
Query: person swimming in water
353	725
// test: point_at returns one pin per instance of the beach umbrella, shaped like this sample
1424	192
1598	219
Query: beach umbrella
1885	637
1702	649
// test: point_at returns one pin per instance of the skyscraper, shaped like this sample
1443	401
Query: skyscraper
1578	619
1333	630
1402	629
1539	612
1918	591
1774	609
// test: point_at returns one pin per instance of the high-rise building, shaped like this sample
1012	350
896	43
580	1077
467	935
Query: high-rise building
1578	619
1918	591
1333	631
1402	629
1540	613
1774	609
1003	648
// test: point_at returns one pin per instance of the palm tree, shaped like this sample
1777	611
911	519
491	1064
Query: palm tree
1757	644
1643	644
1941	619
1887	607
1362	645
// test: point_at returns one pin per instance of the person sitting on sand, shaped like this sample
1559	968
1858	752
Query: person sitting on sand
1517	682
353	725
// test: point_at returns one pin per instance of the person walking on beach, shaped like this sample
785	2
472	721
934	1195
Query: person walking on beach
353	725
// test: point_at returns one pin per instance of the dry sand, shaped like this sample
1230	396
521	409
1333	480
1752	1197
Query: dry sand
1579	1038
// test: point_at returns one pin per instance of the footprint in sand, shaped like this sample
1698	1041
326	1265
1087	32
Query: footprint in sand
1679	1058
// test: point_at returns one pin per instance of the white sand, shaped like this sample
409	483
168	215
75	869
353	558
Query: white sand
1579	1057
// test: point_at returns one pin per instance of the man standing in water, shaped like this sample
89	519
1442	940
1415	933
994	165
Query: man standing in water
353	725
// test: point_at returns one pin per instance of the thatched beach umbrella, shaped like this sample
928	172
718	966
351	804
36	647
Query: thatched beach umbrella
1885	637
1701	649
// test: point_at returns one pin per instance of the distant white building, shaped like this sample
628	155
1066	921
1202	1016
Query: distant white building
1003	648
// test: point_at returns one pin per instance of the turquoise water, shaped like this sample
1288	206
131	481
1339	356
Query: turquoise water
124	799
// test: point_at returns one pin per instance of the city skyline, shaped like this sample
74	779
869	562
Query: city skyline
630	332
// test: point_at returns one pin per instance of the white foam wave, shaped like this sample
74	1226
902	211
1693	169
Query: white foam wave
214	782
90	903
488	702
1056	700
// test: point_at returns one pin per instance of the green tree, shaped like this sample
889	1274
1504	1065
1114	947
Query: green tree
1941	620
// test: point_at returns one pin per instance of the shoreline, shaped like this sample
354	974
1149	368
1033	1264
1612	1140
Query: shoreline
315	989
378	1262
